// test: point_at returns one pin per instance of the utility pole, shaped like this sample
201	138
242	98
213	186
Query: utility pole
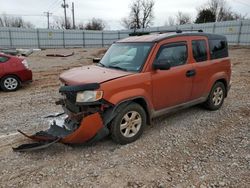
48	14
73	15
64	5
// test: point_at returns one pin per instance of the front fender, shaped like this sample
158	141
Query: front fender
127	95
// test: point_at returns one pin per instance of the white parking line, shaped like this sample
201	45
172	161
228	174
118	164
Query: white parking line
7	135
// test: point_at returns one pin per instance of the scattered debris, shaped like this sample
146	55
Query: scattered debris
35	146
25	52
54	115
18	52
9	51
60	55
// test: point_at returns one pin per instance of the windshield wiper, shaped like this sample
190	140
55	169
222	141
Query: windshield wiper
117	67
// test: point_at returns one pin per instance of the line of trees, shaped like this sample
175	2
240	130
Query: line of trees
93	24
216	11
13	21
58	23
211	11
141	14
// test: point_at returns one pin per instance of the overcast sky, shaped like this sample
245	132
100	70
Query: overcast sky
112	11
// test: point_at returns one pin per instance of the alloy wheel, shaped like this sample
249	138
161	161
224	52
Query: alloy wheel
130	124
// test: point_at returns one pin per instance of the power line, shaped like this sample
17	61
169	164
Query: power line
51	4
54	5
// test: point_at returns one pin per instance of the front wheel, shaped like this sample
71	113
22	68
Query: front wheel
128	125
216	96
10	83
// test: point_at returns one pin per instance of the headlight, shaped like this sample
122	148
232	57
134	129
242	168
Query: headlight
89	96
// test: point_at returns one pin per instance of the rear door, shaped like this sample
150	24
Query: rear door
202	66
172	87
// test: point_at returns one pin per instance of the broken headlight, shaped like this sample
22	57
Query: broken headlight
88	96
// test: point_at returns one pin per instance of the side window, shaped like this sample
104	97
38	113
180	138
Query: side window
218	48
199	50
3	59
175	54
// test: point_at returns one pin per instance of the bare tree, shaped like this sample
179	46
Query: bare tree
12	21
59	23
183	18
147	12
170	21
133	21
141	15
126	23
95	24
215	6
80	26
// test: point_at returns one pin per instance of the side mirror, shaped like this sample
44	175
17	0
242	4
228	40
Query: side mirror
96	60
161	65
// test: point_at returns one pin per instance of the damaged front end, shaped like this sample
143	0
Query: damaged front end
86	113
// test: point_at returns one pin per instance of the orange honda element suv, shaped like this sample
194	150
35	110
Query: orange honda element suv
140	78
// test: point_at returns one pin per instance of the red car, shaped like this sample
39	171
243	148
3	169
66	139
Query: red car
13	72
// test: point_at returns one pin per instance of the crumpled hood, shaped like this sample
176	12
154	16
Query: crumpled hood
90	74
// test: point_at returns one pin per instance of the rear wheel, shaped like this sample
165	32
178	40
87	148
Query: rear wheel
216	96
10	83
128	125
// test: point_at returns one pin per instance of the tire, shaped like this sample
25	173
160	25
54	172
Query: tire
128	125
216	97
10	83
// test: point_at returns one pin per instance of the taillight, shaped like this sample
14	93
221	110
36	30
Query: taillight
25	63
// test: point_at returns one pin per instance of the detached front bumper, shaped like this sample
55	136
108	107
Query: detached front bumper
89	127
83	124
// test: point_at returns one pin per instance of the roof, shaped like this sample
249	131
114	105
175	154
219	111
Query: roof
159	37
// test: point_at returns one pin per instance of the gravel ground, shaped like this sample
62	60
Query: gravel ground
191	148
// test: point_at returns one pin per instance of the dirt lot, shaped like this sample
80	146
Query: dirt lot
191	148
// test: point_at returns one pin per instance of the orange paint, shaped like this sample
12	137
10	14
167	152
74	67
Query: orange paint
90	125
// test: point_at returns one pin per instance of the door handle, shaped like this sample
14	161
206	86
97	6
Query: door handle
190	73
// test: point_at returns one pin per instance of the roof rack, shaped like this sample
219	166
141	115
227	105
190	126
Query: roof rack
180	31
139	33
164	31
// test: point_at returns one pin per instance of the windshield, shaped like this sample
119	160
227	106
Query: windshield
126	56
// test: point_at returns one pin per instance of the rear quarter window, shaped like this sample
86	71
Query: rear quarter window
218	48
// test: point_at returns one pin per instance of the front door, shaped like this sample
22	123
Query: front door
174	86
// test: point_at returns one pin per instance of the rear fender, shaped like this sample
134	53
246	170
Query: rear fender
215	78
